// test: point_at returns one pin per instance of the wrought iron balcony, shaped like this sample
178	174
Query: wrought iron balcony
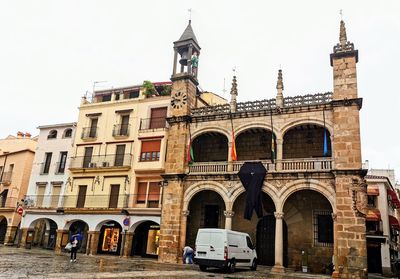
6	178
8	202
153	123
101	161
43	201
287	165
121	130
89	132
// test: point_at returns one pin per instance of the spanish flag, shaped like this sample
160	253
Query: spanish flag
190	156
233	150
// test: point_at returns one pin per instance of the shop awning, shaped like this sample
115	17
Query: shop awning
373	215
373	190
394	222
395	199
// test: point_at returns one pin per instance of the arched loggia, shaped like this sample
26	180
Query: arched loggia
210	147
254	144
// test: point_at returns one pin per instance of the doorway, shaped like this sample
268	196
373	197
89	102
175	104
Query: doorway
211	216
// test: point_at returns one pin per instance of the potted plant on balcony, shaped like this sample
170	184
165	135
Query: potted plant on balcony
149	89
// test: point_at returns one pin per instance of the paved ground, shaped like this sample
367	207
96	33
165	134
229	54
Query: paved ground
39	263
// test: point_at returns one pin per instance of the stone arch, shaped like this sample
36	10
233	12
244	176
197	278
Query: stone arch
262	125
67	133
99	225
267	188
202	186
136	224
297	122
303	184
70	222
215	129
46	219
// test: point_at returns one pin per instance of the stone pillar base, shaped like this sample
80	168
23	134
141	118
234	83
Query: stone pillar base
10	235
128	244
93	240
278	269
336	274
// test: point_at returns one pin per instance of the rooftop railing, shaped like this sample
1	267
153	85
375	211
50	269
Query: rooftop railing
101	161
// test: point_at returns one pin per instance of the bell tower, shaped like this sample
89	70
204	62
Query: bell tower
350	250
183	96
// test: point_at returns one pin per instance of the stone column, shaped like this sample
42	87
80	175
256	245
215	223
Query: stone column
189	62
278	267
335	250
230	163
93	241
175	60
10	235
128	244
24	234
59	239
279	154
228	219
185	214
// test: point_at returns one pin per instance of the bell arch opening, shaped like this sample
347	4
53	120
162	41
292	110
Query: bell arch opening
254	144
210	147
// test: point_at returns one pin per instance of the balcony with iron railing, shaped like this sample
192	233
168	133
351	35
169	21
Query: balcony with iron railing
91	201
89	133
8	202
285	165
155	123
6	178
121	130
101	161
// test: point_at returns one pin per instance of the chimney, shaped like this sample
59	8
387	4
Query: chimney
20	135
28	135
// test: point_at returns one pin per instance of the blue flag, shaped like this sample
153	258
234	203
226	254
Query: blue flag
325	144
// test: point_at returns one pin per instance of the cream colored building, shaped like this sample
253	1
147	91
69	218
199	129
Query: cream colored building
113	186
16	157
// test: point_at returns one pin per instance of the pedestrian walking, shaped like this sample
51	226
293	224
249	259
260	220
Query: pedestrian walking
74	249
188	255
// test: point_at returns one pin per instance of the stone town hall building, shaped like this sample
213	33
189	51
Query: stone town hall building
314	192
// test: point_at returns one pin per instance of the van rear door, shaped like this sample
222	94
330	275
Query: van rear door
217	244
203	244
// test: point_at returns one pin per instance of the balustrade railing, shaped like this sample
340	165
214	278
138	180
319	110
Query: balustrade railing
287	165
101	161
121	130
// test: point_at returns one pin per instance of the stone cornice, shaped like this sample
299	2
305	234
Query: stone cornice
359	172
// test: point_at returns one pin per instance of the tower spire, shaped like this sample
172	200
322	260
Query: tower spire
342	35
279	87
234	94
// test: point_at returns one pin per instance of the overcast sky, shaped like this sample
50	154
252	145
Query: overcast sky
51	52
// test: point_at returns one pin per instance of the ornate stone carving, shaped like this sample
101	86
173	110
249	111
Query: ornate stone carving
278	215
229	213
186	213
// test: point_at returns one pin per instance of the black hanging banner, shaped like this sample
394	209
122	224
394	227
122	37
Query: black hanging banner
252	175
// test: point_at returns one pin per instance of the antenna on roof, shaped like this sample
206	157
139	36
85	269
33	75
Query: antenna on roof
341	14
224	90
190	14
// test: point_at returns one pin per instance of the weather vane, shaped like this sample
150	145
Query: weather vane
341	14
190	13
234	70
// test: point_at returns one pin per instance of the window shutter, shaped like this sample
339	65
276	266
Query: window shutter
141	192
154	192
151	146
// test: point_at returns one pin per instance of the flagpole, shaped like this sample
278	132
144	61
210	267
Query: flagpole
325	136
233	147
272	141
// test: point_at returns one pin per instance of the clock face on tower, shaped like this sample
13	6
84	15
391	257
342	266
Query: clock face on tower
178	100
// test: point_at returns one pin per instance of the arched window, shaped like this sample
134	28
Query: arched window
68	133
52	134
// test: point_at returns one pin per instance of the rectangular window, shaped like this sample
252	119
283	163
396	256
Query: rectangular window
88	157
47	163
119	155
133	94
158	116
124	125
371	201
323	228
93	128
106	98
141	192
150	150
62	163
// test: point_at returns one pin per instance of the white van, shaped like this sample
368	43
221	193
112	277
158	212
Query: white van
224	249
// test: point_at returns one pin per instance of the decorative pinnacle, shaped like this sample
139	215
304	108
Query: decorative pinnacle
279	84
343	35
234	87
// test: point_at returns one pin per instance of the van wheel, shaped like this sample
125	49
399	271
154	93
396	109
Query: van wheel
203	267
231	266
254	265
